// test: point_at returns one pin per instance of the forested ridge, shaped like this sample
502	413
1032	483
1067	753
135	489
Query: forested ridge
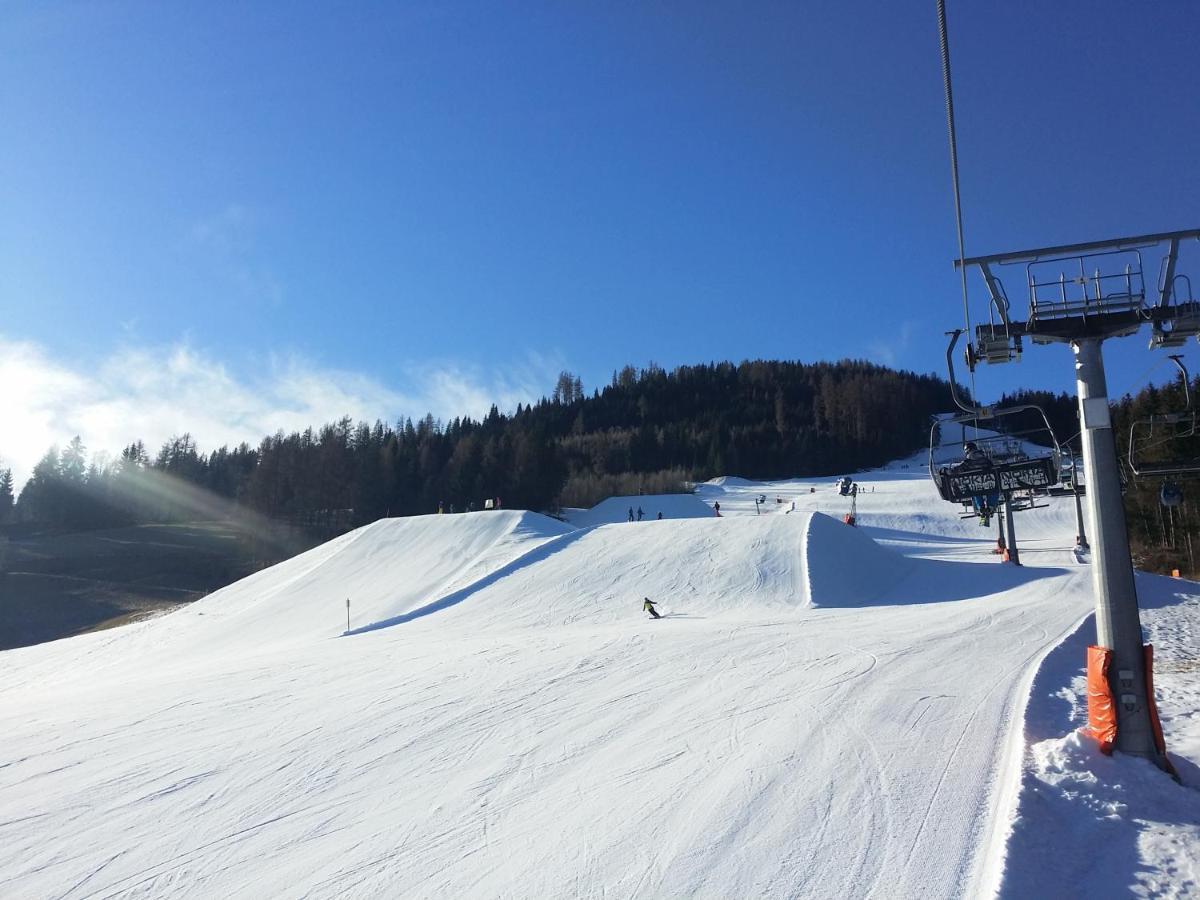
647	430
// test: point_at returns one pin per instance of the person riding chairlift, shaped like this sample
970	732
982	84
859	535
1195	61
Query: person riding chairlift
984	504
973	457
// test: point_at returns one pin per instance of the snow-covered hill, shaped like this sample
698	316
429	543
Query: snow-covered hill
822	711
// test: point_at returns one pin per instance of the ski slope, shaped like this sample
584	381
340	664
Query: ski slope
822	711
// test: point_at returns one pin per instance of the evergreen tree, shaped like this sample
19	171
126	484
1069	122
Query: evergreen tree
6	496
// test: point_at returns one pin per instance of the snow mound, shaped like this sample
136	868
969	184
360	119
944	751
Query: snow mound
732	481
386	569
691	567
616	509
847	568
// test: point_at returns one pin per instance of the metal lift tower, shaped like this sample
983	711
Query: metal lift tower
1098	292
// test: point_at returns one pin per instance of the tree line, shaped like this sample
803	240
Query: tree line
648	430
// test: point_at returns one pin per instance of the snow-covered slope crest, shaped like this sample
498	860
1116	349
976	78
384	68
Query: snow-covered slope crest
616	509
386	569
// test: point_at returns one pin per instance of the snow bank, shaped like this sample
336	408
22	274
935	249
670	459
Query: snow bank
1093	825
1102	826
616	509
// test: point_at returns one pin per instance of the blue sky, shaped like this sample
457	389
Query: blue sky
235	217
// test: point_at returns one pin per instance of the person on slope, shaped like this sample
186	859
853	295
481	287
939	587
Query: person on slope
648	606
631	514
640	514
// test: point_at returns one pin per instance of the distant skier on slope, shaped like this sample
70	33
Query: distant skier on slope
648	606
631	514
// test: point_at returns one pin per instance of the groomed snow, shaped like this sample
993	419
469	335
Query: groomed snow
823	711
617	509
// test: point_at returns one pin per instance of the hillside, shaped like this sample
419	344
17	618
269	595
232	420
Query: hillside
822	711
53	585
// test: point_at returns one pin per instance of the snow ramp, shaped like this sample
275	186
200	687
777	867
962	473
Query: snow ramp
692	568
847	568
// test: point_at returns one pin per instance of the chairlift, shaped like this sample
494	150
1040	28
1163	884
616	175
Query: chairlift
980	456
1162	430
1170	494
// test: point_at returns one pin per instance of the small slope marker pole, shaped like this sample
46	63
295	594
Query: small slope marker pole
347	615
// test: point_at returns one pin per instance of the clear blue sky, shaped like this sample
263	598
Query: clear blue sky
500	190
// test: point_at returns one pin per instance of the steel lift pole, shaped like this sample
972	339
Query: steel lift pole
1118	624
1014	555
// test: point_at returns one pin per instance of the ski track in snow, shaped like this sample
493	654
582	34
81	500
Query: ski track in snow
818	713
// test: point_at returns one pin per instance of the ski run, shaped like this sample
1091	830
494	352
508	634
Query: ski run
822	711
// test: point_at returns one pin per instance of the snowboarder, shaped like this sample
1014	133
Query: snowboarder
717	507
648	606
660	516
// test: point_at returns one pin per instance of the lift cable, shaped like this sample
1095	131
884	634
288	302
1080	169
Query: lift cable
962	269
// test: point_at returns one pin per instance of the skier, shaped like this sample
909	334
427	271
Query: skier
648	606
660	516
631	514
640	514
717	507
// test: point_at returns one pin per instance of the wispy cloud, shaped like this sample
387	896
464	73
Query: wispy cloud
154	392
891	352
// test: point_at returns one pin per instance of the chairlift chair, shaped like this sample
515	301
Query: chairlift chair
1164	429
1017	459
1160	430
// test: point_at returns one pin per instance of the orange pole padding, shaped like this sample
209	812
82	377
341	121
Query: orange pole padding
1102	712
1155	724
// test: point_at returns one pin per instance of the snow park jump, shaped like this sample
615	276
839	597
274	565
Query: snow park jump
501	715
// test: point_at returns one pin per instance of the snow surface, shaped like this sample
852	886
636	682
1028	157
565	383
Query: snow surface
822	711
616	509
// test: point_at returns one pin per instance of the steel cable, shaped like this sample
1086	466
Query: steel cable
943	37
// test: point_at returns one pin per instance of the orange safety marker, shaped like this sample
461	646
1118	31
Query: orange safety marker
1155	725
1102	712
